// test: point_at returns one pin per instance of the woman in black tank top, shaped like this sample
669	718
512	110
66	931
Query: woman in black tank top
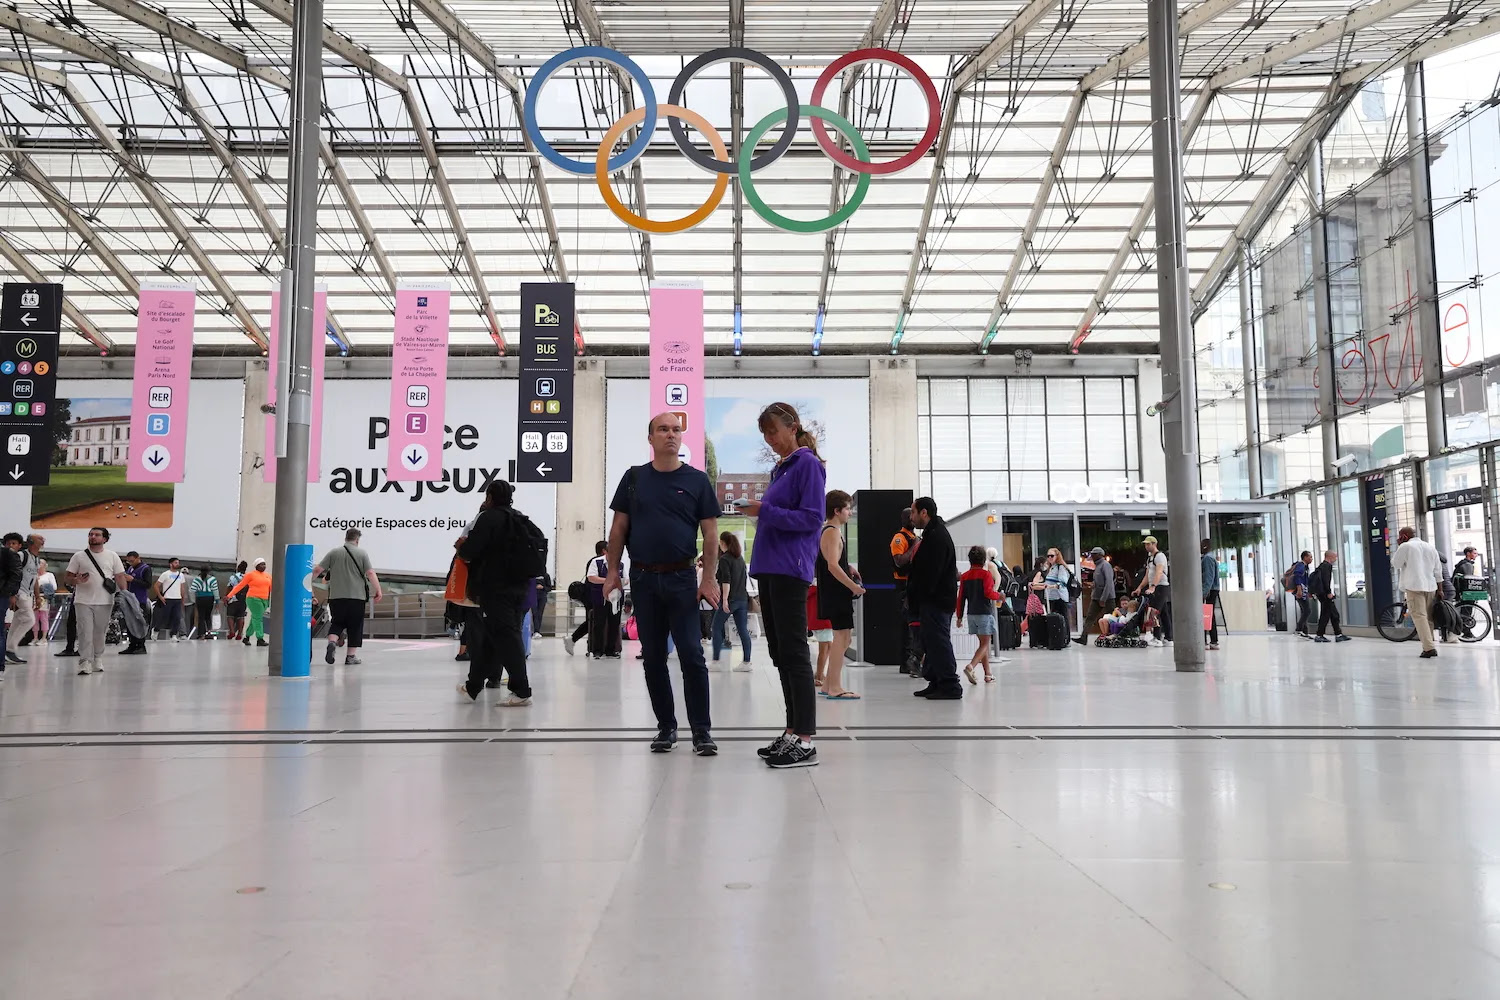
838	586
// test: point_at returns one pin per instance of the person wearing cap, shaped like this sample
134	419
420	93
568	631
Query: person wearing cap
1101	595
257	586
1155	591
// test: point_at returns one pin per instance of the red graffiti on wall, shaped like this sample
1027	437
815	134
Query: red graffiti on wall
1456	317
1362	369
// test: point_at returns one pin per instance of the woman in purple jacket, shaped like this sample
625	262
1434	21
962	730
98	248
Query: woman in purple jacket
786	548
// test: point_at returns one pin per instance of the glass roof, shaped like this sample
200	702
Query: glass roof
147	142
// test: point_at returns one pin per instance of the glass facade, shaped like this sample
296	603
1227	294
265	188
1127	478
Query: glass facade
983	439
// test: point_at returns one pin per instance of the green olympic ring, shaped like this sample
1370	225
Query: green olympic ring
747	184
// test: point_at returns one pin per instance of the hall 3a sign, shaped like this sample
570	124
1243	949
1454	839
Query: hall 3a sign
1455	498
1124	491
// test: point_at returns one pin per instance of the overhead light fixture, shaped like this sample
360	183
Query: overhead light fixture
900	332
817	344
739	340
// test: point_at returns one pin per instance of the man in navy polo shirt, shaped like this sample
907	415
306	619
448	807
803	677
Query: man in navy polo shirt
660	510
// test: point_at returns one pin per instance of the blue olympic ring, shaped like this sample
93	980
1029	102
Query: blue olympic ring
577	54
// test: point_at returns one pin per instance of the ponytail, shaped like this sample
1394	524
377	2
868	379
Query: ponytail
806	440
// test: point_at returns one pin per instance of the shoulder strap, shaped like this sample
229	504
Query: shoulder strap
362	578
95	562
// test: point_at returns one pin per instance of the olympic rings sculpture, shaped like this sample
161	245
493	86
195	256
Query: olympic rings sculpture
720	164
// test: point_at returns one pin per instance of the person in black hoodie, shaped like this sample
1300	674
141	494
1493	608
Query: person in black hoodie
1320	585
933	590
10	582
487	548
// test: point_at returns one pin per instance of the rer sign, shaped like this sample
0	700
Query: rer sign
163	370
419	378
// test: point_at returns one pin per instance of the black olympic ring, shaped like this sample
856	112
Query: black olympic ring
731	53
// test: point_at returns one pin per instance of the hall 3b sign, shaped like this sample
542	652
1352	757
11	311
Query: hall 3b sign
1125	491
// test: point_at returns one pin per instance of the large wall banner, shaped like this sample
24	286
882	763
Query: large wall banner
319	360
677	361
419	378
163	368
409	527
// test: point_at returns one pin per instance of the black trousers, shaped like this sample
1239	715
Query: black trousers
347	615
1212	600
583	628
1091	615
939	667
1304	611
493	635
604	631
205	610
911	634
1330	614
783	615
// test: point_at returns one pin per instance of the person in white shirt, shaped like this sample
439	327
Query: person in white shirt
168	589
1417	564
90	574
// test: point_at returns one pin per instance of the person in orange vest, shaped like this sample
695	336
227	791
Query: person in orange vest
257	585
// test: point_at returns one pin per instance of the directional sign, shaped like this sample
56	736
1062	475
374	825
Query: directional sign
545	425
30	320
1455	498
159	389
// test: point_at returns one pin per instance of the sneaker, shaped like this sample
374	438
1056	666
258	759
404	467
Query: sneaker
1427	654
568	645
774	747
743	667
794	753
83	668
352	661
1304	635
12	657
1213	645
1321	638
69	652
665	740
612	656
97	667
463	689
137	650
717	666
1341	638
492	683
246	640
514	701
1080	640
461	657
261	642
330	651
704	745
946	696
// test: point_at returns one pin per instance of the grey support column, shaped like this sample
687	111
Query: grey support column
1247	360
298	338
1426	304
1323	329
1179	389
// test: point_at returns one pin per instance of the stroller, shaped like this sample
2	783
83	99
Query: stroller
125	619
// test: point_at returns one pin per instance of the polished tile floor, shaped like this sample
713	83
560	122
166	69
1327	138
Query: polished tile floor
1301	821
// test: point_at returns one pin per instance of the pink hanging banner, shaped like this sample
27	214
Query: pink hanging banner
319	359
677	361
157	449
419	378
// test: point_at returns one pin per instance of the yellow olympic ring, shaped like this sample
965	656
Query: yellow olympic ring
625	215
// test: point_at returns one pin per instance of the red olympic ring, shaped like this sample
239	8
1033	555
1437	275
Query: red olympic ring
934	116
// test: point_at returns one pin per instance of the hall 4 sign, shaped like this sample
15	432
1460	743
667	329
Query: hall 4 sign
1124	491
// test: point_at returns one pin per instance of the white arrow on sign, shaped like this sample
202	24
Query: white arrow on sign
28	319
543	469
16	473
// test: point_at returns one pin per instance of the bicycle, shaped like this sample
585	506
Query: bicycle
1395	622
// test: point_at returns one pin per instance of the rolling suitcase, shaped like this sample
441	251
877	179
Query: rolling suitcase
1055	628
1036	628
1007	632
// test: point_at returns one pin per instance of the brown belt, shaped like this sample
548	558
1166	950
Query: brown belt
676	567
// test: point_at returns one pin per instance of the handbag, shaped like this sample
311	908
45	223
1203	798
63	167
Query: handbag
105	581
1034	605
1208	617
457	588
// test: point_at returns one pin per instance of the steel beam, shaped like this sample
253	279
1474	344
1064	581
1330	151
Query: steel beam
1309	41
439	14
24	265
1189	22
736	137
969	71
880	25
597	34
360	58
1137	229
189	37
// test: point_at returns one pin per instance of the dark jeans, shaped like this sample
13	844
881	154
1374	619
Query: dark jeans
205	606
939	668
493	636
604	631
1304	611
667	604
783	614
1212	600
1330	614
1160	599
171	617
740	611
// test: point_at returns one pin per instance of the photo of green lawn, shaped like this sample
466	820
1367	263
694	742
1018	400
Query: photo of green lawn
88	484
